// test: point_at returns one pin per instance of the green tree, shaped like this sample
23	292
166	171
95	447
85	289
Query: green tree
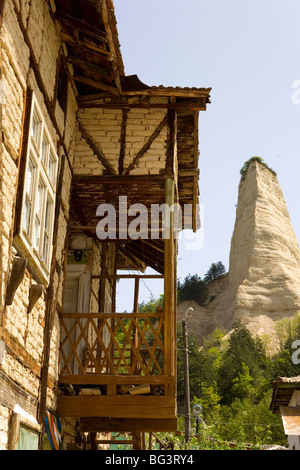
243	350
153	305
215	271
242	385
192	288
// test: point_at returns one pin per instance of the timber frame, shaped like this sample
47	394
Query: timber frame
94	64
116	371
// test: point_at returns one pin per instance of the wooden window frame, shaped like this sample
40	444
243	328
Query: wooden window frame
16	421
28	240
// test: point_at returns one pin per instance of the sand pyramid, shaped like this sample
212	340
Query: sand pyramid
264	271
263	282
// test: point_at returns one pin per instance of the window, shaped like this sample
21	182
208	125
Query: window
38	202
28	439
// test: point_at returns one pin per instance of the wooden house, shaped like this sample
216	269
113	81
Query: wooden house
80	137
286	402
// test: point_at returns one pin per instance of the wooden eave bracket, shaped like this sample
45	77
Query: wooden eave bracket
16	277
35	292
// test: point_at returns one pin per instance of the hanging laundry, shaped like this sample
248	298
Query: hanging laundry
53	430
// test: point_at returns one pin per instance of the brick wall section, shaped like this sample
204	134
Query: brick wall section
104	126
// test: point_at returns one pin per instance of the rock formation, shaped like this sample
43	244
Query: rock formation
263	282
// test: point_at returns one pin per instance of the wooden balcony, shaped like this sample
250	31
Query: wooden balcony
120	360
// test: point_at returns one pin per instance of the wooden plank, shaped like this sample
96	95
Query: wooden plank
117	59
95	84
120	180
80	25
114	441
51	303
127	425
128	276
119	406
171	158
123	140
102	315
90	67
12	394
94	102
102	379
169	272
14	431
176	92
84	45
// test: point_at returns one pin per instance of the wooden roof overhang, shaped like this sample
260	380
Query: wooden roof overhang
283	389
92	59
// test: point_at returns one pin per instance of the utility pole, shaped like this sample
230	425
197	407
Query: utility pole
187	406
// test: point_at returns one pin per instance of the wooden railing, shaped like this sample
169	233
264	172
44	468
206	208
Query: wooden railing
126	344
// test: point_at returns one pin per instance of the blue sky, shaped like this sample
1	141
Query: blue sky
249	53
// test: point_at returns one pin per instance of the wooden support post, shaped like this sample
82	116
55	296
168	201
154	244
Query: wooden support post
169	282
138	441
50	309
135	334
14	428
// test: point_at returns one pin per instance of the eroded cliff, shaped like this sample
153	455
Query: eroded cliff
263	282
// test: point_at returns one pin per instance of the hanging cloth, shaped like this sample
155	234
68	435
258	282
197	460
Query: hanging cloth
53	430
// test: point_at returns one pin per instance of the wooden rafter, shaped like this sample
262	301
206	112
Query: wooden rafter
84	45
96	101
88	67
96	149
102	7
147	145
95	84
123	140
81	26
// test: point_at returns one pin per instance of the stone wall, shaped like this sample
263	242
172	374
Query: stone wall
30	48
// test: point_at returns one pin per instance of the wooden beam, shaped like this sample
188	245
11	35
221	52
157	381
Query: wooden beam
105	315
147	145
127	425
93	101
96	149
169	91
80	25
94	379
14	431
84	45
171	158
51	304
118	406
120	179
114	441
116	57
123	141
128	276
90	67
169	272
12	394
95	84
